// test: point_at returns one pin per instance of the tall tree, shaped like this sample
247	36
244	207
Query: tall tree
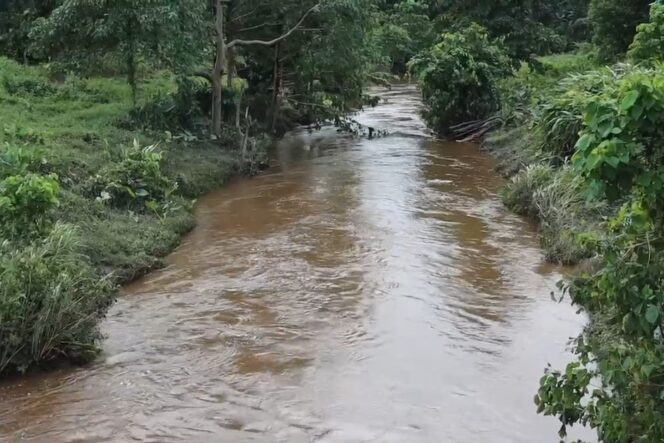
223	47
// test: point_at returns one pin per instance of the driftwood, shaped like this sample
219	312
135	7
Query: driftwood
472	130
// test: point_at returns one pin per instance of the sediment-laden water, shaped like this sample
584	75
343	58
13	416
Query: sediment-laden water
359	291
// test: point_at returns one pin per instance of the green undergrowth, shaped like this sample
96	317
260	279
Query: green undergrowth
569	222
542	108
583	153
88	202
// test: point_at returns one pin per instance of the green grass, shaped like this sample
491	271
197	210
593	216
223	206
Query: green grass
72	129
74	134
555	197
531	149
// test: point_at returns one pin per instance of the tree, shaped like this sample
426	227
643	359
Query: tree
458	77
614	25
222	48
648	43
16	17
518	22
79	33
405	29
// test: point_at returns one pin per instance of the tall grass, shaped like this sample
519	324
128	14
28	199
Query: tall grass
50	301
555	197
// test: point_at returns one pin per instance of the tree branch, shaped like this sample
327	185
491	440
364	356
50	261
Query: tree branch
203	74
238	42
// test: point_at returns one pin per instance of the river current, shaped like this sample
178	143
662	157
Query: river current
358	291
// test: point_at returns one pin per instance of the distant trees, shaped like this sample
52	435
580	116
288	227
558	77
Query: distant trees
614	25
648	44
80	34
219	40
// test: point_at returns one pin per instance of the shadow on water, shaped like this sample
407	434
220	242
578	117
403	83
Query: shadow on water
372	291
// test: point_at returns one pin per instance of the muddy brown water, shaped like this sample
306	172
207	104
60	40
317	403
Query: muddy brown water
359	291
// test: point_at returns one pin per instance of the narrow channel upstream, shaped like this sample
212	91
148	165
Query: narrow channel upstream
359	291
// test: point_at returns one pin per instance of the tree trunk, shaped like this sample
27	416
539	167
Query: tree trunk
218	70
238	105
130	60
217	105
277	86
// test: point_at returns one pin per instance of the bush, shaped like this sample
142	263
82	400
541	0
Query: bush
519	194
648	43
31	87
615	383
134	181
558	117
458	77
26	205
50	302
623	128
614	25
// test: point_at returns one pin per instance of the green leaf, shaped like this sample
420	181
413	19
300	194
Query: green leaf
629	100
652	314
646	370
613	161
593	160
584	142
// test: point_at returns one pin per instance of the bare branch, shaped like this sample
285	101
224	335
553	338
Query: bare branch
278	39
251	28
240	17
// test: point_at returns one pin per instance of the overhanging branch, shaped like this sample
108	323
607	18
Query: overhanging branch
238	42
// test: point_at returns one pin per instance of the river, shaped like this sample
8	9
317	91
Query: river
358	291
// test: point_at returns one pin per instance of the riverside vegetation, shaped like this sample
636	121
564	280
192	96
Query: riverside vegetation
580	135
116	114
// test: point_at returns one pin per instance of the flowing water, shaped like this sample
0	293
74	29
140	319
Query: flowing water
359	291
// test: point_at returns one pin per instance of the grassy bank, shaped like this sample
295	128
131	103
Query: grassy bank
581	144
90	200
542	113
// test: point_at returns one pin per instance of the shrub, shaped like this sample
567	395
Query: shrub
15	160
558	117
134	181
623	128
615	383
649	40
519	194
50	302
26	205
458	77
31	87
614	25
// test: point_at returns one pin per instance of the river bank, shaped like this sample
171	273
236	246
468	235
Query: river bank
533	151
116	198
580	144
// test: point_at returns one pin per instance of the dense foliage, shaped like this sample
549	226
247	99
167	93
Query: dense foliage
458	77
79	201
614	25
618	154
593	139
528	27
648	44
